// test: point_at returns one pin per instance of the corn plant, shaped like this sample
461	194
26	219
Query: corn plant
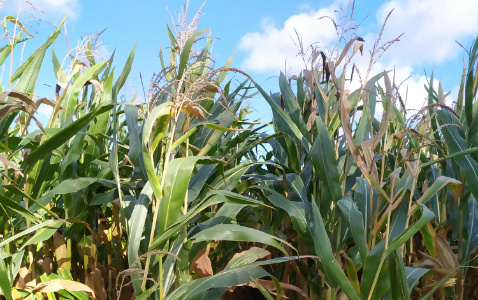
168	197
115	199
357	190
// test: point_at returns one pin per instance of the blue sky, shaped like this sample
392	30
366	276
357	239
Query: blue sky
261	35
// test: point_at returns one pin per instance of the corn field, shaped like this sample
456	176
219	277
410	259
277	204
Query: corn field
343	195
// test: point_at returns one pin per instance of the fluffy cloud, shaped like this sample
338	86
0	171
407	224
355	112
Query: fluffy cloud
52	8
273	48
44	113
431	28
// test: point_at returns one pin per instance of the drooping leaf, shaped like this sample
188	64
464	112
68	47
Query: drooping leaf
335	276
354	220
196	289
66	187
398	277
233	232
175	187
60	138
62	284
322	156
43	233
413	275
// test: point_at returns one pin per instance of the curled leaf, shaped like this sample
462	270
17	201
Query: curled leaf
62	284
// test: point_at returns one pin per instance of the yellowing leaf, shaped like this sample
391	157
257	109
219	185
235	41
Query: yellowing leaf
61	253
62	284
17	23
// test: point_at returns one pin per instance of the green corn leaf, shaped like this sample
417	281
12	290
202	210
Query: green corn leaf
354	219
186	51
299	213
43	233
30	68
59	72
292	106
295	188
135	146
222	75
172	39
196	289
76	149
5	285
158	112
402	238
28	78
6	50
335	276
470	84
413	275
215	197
60	138
291	129
198	180
175	187
370	269
398	277
439	183
455	141
31	229
231	177
470	241
232	232
65	187
362	197
6	202
124	74
322	156
136	227
70	101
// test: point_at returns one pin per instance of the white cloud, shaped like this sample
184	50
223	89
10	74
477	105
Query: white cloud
271	49
431	28
52	8
44	112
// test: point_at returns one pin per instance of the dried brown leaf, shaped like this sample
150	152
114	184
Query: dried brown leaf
25	279
369	156
96	84
313	114
315	54
445	255
385	118
8	109
20	97
7	162
210	88
270	286
194	110
358	47
201	264
346	49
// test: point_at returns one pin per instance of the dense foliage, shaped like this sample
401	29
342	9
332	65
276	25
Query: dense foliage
181	197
